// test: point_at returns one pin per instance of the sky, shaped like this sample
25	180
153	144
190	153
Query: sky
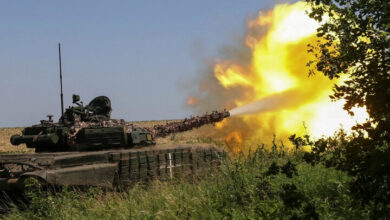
138	53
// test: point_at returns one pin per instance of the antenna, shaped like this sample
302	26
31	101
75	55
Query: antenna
62	95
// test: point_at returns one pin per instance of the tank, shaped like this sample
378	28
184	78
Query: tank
90	127
88	148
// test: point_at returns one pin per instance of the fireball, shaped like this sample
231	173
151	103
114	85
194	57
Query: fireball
272	92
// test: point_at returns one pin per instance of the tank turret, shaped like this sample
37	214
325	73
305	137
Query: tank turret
90	127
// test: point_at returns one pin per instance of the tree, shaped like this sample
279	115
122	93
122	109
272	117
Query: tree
354	41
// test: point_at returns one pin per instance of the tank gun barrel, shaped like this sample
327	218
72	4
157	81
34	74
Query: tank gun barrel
189	124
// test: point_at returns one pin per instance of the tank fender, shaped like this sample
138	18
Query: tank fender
101	175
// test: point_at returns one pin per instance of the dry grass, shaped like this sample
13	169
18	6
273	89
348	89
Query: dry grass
5	144
205	134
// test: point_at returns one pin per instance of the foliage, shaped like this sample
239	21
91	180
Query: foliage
367	165
355	41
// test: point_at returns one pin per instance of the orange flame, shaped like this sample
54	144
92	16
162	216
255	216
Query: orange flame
234	141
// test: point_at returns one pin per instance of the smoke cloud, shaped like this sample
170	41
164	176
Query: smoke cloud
259	121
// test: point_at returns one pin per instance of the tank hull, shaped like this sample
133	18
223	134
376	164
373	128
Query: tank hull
107	169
